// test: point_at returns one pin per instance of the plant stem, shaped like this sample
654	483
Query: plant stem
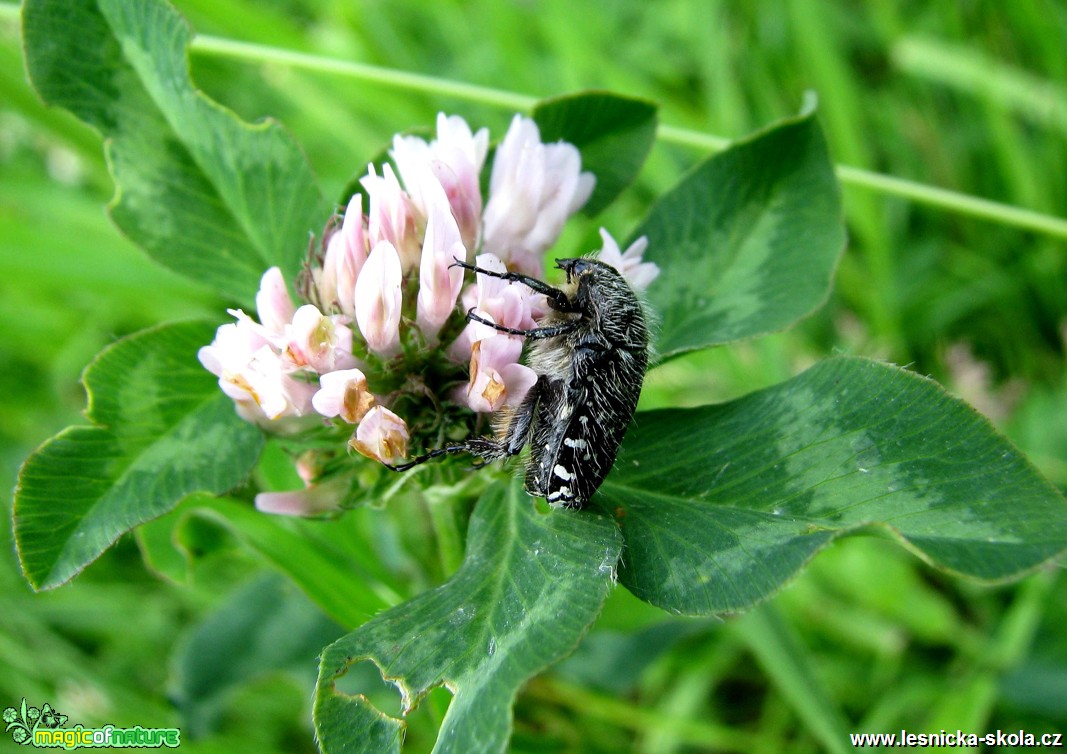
391	77
964	204
920	193
955	201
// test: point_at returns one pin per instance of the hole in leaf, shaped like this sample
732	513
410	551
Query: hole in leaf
424	722
365	678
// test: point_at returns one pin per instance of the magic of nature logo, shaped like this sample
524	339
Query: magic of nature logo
44	727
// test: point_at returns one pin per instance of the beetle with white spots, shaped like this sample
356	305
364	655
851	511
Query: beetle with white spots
590	353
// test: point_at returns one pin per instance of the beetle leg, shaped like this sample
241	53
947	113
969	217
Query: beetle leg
485	448
536	333
560	300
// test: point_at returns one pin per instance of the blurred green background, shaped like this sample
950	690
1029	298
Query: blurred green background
967	96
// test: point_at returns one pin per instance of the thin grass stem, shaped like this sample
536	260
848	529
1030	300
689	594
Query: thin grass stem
390	77
920	193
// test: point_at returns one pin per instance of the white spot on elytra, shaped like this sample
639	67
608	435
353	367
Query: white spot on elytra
562	473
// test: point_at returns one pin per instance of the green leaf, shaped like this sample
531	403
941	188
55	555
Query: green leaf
348	591
264	626
528	589
203	193
748	241
720	505
162	430
613	133
330	560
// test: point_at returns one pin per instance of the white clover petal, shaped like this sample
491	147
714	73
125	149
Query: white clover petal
273	304
343	393
496	377
391	216
518	378
378	300
346	252
312	501
440	280
413	157
381	435
495	300
251	373
232	348
459	157
534	188
264	382
453	162
461	148
318	342
638	273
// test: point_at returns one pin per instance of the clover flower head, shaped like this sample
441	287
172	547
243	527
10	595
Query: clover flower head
375	354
